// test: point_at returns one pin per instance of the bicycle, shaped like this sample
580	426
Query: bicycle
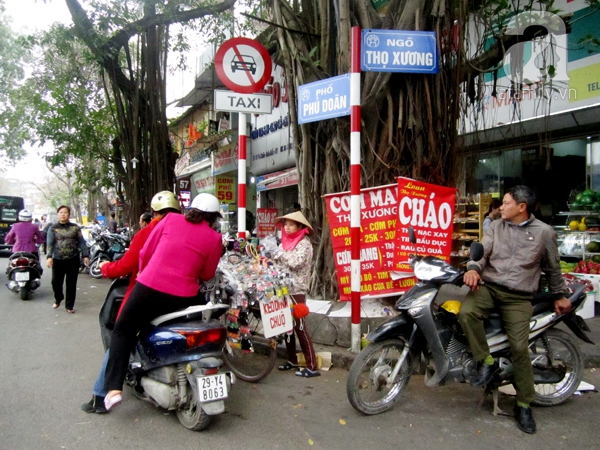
243	285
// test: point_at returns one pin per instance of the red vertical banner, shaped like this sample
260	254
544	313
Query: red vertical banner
429	209
379	218
265	222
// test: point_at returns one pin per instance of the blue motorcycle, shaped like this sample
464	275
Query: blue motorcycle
177	363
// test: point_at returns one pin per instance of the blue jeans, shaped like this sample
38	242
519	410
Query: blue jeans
99	384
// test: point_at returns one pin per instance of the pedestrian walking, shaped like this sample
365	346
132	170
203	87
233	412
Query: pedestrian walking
64	244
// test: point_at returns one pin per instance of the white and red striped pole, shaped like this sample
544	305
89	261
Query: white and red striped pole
241	210
355	188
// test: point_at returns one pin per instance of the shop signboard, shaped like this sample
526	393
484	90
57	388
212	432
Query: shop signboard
182	163
379	217
203	181
429	209
225	189
575	68
266	222
272	142
277	180
225	159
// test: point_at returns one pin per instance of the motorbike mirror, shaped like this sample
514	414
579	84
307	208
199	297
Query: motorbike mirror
476	251
411	235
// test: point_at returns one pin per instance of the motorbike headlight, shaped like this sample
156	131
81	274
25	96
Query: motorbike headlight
420	302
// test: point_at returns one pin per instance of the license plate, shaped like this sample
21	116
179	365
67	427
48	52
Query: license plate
212	387
22	276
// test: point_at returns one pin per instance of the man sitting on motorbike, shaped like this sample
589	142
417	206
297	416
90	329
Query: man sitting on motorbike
162	204
25	236
516	250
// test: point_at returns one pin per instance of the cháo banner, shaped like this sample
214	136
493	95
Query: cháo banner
429	209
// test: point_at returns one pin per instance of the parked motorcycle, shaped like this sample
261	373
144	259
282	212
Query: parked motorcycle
105	247
177	363
425	328
24	273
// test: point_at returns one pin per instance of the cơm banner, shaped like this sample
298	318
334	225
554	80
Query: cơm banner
379	217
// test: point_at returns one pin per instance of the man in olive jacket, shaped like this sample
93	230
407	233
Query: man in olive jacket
516	250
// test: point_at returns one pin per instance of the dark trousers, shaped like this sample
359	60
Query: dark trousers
61	269
516	311
305	341
143	305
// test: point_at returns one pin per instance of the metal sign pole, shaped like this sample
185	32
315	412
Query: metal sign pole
355	189
241	210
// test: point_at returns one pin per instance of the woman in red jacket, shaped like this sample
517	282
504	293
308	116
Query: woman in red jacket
162	204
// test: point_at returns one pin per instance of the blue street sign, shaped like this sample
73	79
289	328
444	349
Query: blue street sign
399	51
324	99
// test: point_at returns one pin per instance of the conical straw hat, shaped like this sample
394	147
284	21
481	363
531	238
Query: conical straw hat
296	216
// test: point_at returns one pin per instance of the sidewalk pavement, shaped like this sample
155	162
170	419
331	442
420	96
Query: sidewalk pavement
329	325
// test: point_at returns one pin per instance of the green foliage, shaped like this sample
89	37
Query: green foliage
67	108
15	51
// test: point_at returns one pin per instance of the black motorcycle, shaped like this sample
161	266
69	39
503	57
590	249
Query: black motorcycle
427	327
24	273
105	247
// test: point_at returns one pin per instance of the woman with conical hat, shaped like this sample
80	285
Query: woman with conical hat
295	254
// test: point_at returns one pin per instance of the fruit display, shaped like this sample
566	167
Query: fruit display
586	266
587	200
566	267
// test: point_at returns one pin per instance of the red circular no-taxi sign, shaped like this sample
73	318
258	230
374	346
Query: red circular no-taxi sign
243	65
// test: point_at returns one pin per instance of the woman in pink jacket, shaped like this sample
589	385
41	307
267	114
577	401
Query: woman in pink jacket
25	235
180	251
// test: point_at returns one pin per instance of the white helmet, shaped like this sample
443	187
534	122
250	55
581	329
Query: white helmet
25	215
164	200
207	203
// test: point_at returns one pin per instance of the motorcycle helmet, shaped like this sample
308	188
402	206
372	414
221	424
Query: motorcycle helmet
164	200
207	203
25	215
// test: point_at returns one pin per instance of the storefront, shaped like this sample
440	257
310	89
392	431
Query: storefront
544	135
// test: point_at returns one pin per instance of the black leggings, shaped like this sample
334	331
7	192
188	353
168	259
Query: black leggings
143	305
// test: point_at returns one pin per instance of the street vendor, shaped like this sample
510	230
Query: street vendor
295	254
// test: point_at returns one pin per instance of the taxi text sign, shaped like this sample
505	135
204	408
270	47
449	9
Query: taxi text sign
379	221
324	99
244	103
429	209
399	51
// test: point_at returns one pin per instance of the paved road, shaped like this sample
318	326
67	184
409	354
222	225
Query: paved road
49	360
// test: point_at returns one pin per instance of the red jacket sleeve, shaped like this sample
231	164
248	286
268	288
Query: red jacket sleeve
129	262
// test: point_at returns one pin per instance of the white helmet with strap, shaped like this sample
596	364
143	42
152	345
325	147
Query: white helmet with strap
25	215
207	203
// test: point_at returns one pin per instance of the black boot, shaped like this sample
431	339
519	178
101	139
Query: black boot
95	405
524	419
485	374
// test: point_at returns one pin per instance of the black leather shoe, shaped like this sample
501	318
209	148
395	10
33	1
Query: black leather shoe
485	374
524	419
95	405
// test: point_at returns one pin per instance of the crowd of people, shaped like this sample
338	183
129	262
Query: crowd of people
511	274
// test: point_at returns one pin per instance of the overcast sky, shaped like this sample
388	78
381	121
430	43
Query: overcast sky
31	15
